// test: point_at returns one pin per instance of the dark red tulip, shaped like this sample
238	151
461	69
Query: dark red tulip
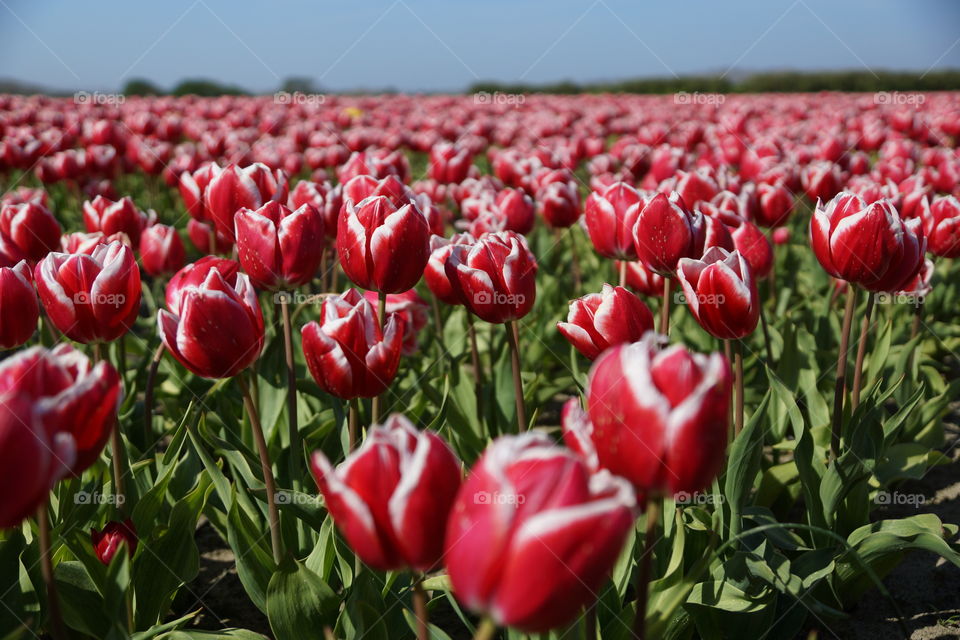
31	229
391	498
449	163
326	198
19	311
435	273
414	311
941	225
114	535
641	279
666	231
161	250
776	205
598	321
111	217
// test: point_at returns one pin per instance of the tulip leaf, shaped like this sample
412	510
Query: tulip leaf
299	603
225	634
743	464
249	542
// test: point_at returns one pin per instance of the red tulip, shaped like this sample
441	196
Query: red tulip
381	247
70	396
642	279
280	248
347	353
658	418
91	298
610	217
114	535
217	329
776	204
194	274
694	187
822	180
19	311
598	321
326	198
781	236
161	250
200	232
31	229
449	163
233	189
752	243
391	498
31	460
559	203
193	186
414	311
435	274
533	534
121	216
666	231
721	293
516	209
494	278
941	224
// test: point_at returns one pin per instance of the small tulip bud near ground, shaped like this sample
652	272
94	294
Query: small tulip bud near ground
114	536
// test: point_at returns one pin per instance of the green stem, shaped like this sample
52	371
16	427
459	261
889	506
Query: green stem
665	308
420	608
513	337
57	630
738	367
486	630
148	397
296	454
841	383
644	574
861	352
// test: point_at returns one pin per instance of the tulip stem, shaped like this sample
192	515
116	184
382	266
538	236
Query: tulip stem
486	630
738	370
841	383
623	273
56	629
148	396
382	316
353	424
477	369
915	330
420	608
116	447
590	622
575	261
665	308
266	468
861	352
513	337
766	337
644	574
296	452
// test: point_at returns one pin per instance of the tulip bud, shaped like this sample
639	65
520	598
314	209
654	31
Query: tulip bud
941	224
435	274
91	298
781	236
31	229
598	321
107	542
694	187
161	250
216	331
279	248
516	209
658	418
449	163
414	311
195	273
776	204
610	217
19	311
381	247
559	204
494	278
751	243
346	351
666	231
233	189
721	293
121	216
391	498
193	187
533	534
326	198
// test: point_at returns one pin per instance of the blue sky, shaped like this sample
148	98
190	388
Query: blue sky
447	44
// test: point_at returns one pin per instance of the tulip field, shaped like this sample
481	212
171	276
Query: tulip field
480	366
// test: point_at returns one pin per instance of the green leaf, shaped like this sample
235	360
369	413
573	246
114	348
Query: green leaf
250	545
299	603
743	464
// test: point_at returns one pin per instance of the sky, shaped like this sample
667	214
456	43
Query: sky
446	45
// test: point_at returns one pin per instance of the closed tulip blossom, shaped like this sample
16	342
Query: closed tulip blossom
721	293
559	203
30	228
161	250
495	278
111	217
91	298
534	533
776	204
326	198
641	279
19	311
941	225
610	216
659	419
449	164
598	321
32	459
233	189
346	351
412	308
69	394
435	274
217	329
391	498
381	247
665	232
114	536
752	243
279	248
194	274
192	187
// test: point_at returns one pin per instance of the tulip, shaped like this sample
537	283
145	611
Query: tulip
610	217
412	309
599	321
121	216
641	279
111	538
751	243
161	250
694	187
665	232
533	534
32	459
435	274
214	329
194	274
70	395
941	225
19	311
381	247
91	298
202	233
30	229
326	198
280	248
721	293
233	189
347	352
776	204
559	203
391	498
516	209
449	163
192	188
